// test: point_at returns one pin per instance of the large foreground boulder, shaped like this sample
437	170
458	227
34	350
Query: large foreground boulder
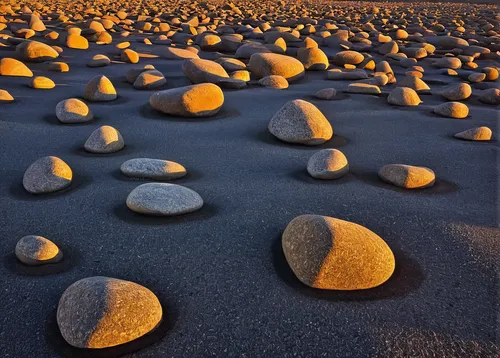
101	312
266	64
334	254
162	199
299	121
46	175
407	176
199	100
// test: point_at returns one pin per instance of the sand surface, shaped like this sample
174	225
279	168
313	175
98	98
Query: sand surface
220	272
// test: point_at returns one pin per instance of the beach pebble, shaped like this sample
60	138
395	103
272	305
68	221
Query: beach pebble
363	88
490	96
58	67
41	82
47	175
101	312
326	93
162	199
328	164
129	56
313	59
72	111
35	51
491	73
338	75
156	169
242	75
99	61
299	121
456	92
99	89
203	71
174	53
448	62
348	58
13	67
407	176
475	134
274	81
333	254
105	139
452	110
78	42
403	96
199	100
414	83
36	250
266	64
5	97
149	79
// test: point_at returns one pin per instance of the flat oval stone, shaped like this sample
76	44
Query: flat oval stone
407	176
36	250
334	254
101	312
46	175
156	169
72	110
162	199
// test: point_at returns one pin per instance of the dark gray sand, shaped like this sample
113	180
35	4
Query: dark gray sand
220	272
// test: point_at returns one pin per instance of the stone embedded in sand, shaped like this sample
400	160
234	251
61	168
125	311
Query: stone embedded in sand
348	58
77	42
328	164
333	254
452	110
149	79
104	140
72	111
456	92
46	175
403	96
326	93
133	73
99	61
174	53
99	89
475	134
41	82
101	312
156	169
313	58
199	100
35	51
34	250
414	83
389	47
274	81
492	73
161	199
363	88
378	79
476	77
299	121
448	62
407	176
129	56
339	75
490	96
13	67
242	75
5	97
266	64
58	67
203	71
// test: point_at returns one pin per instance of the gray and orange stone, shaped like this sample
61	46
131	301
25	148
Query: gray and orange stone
407	176
36	250
333	254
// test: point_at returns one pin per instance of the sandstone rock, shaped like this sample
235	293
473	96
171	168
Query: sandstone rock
475	134
161	199
155	169
46	175
105	139
334	254
99	89
5	97
299	121
101	312
328	164
129	56
36	250
407	176
403	96
452	110
77	42
13	67
73	110
266	64
200	100
41	82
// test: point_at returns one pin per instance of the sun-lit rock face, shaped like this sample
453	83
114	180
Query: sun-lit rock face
328	164
104	140
203	71
41	82
299	121
452	110
333	254
201	100
36	250
475	134
46	175
13	67
35	51
456	92
156	169
403	96
266	64
407	176
99	89
274	81
72	110
101	312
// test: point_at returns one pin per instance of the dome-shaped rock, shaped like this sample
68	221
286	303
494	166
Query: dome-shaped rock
328	164
266	64
73	110
452	110
403	96
99	89
46	175
105	139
